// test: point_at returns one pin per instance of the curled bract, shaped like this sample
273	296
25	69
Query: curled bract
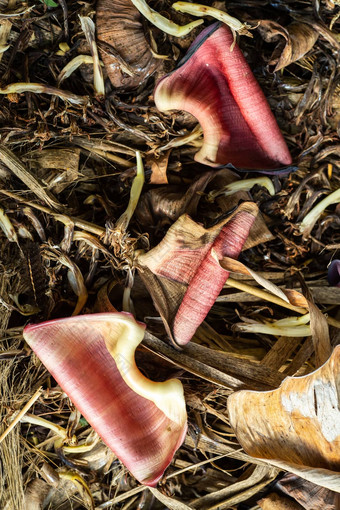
92	358
215	84
185	276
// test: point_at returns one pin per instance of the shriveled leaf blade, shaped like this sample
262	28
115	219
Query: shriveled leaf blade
298	39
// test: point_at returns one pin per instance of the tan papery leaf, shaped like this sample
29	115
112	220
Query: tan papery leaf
297	426
237	267
299	38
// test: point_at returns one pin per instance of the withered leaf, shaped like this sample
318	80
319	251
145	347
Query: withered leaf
298	39
120	30
296	426
278	502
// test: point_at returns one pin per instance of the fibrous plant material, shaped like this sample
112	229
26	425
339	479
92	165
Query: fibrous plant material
217	86
92	358
296	426
186	264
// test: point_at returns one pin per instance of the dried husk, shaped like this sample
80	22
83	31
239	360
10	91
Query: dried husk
187	278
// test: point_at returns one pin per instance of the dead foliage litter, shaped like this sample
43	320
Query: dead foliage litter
67	163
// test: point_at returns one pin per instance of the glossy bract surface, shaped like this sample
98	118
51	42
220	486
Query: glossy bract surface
216	85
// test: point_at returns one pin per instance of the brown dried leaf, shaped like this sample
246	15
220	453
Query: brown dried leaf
320	335
123	44
297	426
170	202
299	38
159	167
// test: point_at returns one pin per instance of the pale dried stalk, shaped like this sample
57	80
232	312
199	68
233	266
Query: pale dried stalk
203	10
243	185
39	88
311	218
5	29
73	66
169	27
136	189
89	30
236	284
21	414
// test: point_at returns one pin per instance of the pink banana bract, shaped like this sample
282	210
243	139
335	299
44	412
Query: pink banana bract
216	85
92	358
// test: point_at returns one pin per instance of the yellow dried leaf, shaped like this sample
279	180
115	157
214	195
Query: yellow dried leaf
296	426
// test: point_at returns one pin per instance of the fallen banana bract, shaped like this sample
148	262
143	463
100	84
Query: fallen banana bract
92	358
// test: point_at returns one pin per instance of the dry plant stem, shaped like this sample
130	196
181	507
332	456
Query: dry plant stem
169	27
39	88
236	284
21	414
85	225
89	30
203	10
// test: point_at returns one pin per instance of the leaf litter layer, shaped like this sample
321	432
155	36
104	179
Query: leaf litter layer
67	165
